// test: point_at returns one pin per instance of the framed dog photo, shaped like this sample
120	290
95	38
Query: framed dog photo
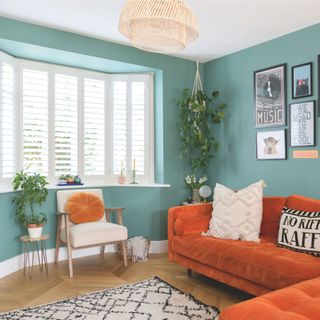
270	97
302	80
271	145
302	124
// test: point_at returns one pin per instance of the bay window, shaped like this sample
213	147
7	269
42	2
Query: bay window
58	120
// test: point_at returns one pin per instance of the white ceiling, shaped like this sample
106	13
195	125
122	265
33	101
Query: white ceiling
224	26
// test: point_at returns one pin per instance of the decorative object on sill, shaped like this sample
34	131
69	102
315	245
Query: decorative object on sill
194	184
32	248
32	192
122	178
164	26
197	111
69	180
205	192
148	299
138	248
134	173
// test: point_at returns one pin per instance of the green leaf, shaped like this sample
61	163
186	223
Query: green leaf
215	94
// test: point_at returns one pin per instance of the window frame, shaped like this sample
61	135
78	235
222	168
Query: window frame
109	177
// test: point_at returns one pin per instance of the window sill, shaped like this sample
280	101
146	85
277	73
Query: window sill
96	185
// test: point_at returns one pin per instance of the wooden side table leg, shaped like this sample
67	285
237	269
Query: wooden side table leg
38	254
44	256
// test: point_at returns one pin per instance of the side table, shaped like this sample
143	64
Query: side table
34	247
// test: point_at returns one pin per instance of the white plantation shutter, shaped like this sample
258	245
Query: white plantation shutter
8	120
94	124
66	124
119	126
35	120
132	126
58	120
138	125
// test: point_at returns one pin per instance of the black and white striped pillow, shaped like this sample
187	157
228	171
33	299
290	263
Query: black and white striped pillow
300	231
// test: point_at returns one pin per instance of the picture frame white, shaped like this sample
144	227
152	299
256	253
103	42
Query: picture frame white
271	145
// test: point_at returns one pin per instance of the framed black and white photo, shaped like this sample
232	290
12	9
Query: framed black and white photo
271	145
302	80
270	97
302	124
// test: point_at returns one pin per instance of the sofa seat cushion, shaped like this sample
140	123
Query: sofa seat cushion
92	233
298	302
263	263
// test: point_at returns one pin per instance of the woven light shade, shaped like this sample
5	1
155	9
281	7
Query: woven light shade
164	26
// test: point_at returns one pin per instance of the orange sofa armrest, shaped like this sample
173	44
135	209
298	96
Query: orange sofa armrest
186	213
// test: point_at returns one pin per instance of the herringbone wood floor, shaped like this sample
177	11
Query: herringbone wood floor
93	273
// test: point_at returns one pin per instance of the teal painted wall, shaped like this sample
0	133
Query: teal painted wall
235	164
146	208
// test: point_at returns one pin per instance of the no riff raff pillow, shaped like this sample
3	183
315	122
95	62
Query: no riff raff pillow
300	231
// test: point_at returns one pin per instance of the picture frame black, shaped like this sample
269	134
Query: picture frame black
302	80
270	96
267	142
302	124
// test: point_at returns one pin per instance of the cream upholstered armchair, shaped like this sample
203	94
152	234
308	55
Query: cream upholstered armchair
88	234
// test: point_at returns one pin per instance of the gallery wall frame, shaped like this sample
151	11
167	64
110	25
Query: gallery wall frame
302	124
271	145
302	80
270	96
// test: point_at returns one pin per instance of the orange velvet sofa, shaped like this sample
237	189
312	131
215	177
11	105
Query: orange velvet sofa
257	268
297	302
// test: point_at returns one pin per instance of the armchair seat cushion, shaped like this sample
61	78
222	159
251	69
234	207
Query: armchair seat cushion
95	233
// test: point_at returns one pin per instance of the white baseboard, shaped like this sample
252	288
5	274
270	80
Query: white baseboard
16	263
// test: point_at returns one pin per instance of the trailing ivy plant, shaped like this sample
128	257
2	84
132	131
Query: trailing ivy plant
197	112
32	192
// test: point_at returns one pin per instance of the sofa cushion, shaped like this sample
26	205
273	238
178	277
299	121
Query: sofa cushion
262	263
272	208
298	202
298	302
184	226
237	214
92	233
299	230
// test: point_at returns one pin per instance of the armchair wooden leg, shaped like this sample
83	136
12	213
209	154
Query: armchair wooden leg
124	253
189	272
69	247
58	234
102	250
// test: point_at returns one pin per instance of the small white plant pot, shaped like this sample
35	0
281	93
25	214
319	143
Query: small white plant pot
35	230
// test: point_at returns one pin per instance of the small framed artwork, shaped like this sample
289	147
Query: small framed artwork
302	124
270	97
271	145
302	80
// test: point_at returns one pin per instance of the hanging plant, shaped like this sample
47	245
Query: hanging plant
197	112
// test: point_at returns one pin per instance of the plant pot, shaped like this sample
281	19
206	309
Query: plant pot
195	196
35	230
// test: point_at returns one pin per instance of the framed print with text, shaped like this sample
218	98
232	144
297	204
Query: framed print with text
302	124
270	97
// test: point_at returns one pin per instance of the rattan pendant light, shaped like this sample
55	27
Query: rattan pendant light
164	26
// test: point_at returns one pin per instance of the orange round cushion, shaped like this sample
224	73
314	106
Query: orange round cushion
84	207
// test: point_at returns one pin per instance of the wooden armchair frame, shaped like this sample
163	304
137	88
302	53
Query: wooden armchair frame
65	216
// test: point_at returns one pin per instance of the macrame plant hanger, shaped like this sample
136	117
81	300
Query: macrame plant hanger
197	83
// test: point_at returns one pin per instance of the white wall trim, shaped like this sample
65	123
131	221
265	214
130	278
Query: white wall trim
16	263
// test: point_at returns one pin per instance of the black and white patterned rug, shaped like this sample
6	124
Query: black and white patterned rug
149	299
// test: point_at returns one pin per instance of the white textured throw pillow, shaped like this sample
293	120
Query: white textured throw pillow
237	215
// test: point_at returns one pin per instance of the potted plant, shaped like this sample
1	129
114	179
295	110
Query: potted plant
62	179
70	179
194	184
31	192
